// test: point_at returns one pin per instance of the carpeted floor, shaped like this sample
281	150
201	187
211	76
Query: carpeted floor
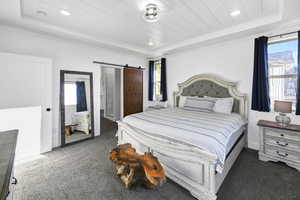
84	172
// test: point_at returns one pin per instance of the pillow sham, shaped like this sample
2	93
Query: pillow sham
182	100
199	104
222	105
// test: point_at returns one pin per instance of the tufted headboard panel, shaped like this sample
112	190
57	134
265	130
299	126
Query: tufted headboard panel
213	86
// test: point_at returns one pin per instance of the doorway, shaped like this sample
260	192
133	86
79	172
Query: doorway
110	94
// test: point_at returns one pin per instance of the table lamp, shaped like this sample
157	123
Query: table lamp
283	107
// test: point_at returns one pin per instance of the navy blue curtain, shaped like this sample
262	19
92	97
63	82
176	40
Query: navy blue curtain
260	86
163	80
81	96
298	81
151	80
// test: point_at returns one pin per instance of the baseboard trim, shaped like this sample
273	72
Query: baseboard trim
253	145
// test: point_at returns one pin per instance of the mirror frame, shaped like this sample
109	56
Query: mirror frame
62	106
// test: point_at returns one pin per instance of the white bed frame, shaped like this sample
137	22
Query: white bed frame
190	167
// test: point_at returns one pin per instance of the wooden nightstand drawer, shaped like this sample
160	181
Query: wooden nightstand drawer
283	143
282	154
279	143
282	134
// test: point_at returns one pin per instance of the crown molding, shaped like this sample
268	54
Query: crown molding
18	19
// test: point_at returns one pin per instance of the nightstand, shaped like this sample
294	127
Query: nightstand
279	143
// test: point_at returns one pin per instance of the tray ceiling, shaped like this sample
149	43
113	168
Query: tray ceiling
121	23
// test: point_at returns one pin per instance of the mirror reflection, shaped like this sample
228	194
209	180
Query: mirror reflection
77	107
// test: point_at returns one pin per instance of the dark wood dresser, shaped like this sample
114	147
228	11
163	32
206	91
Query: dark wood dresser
8	141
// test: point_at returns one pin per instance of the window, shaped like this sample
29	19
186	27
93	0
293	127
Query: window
70	94
283	61
157	79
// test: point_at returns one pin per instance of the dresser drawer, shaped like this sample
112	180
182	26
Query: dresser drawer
282	143
282	134
282	154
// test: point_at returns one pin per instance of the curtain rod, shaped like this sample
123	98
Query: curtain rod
280	35
158	58
117	65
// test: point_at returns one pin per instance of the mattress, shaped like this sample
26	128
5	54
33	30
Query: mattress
233	140
213	132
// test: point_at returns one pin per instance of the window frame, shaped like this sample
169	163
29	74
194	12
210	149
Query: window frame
155	96
70	83
284	76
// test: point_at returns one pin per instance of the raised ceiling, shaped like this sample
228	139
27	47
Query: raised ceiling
121	23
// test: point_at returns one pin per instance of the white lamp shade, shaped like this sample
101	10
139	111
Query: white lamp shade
283	106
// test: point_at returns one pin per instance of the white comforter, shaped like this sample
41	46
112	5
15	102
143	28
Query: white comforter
209	131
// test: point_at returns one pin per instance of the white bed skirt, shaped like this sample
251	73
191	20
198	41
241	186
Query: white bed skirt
190	167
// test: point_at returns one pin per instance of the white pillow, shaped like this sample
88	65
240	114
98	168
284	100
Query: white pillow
199	104
223	105
182	100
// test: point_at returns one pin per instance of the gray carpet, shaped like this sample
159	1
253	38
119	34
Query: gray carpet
84	172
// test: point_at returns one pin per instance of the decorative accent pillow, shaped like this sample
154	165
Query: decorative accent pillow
222	105
182	100
199	104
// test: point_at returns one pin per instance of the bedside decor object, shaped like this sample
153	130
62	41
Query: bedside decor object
134	168
283	107
278	143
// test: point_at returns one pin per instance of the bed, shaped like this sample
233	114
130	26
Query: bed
196	149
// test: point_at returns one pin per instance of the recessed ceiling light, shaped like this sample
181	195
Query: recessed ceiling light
64	12
150	43
235	13
151	12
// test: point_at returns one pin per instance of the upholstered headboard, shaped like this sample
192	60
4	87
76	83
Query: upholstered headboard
213	86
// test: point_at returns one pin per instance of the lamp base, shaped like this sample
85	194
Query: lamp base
283	120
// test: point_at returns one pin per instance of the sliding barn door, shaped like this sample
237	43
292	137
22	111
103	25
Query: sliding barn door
133	91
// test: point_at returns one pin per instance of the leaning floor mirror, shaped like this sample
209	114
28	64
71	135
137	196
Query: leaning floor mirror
76	106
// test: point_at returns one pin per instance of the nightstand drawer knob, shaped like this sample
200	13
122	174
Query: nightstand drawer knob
282	135
281	154
282	144
14	181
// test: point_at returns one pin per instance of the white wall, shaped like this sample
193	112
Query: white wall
69	55
28	122
232	60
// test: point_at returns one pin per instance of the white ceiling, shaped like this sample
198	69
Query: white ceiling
120	22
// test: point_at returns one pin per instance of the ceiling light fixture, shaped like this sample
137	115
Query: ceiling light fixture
150	43
235	13
64	12
151	12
